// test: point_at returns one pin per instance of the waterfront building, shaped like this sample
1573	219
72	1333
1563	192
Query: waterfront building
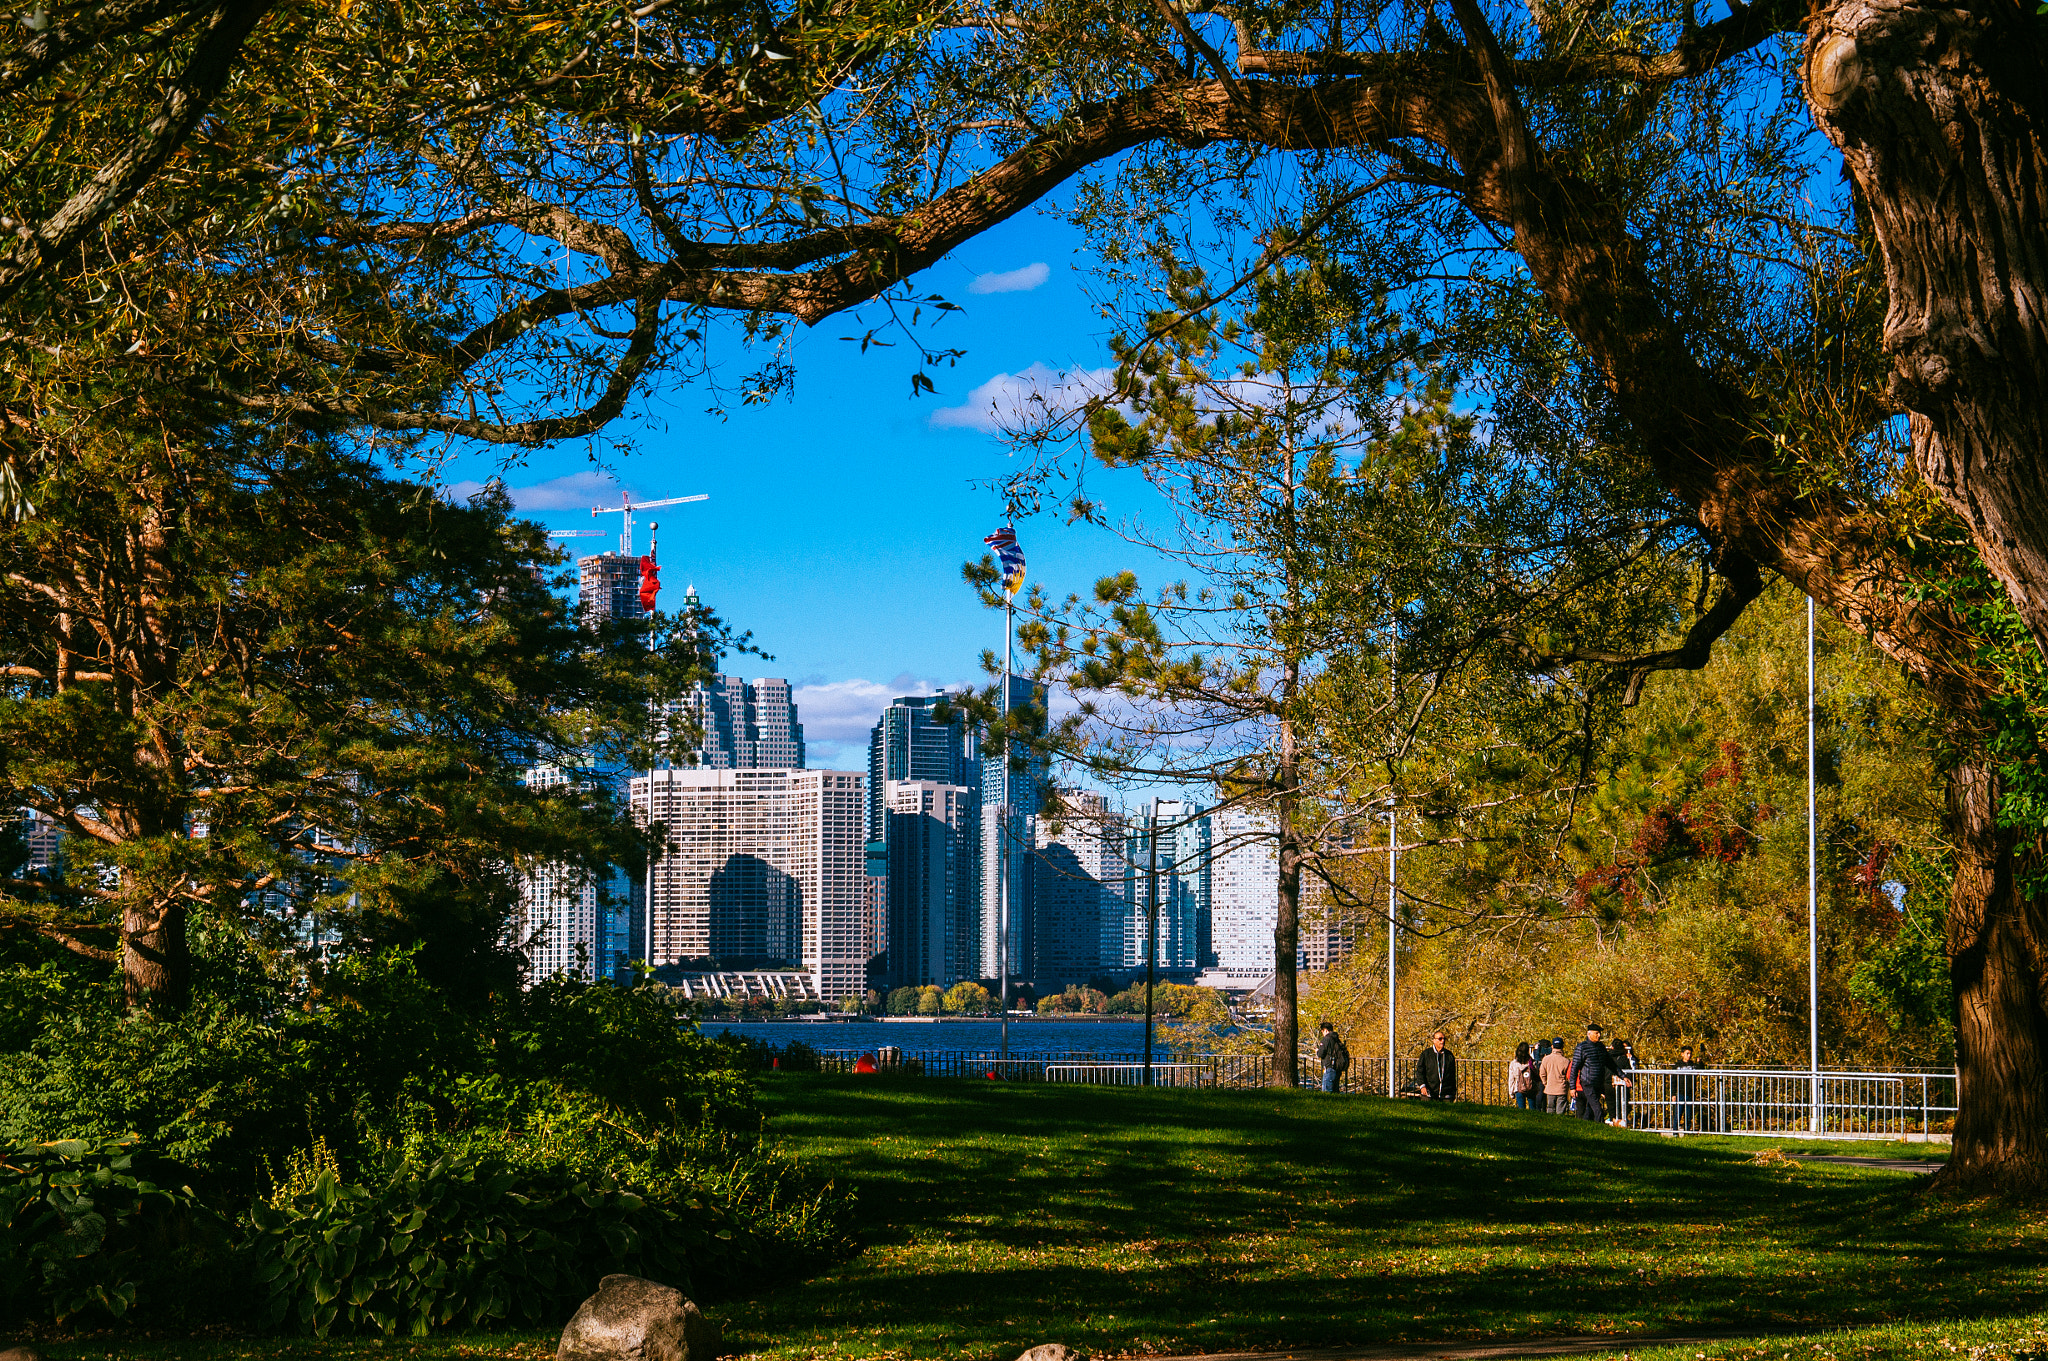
1012	787
572	919
1183	842
910	744
760	869
1077	880
925	843
1244	893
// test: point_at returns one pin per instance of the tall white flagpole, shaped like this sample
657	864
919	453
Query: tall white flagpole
1812	888
1003	835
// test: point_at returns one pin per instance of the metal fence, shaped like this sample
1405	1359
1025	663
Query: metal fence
1841	1105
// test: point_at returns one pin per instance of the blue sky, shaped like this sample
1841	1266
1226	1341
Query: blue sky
839	517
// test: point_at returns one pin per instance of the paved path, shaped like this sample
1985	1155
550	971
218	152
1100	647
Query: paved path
1581	1345
1889	1164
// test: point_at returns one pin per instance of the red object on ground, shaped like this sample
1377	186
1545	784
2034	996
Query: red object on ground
991	1075
866	1064
775	1062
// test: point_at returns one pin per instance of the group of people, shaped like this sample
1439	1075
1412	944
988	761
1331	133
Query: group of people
1588	1082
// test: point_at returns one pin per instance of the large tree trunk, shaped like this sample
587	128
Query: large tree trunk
1287	917
156	961
1996	939
1941	113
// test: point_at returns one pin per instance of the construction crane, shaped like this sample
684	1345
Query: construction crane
627	507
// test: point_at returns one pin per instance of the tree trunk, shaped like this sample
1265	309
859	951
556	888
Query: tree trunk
1286	945
1941	114
1287	832
156	962
1996	957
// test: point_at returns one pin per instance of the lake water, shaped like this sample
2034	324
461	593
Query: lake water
1103	1040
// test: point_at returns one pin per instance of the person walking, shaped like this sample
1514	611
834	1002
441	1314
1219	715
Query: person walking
1685	1091
1620	1064
1590	1070
1334	1057
1436	1072
1555	1075
1522	1086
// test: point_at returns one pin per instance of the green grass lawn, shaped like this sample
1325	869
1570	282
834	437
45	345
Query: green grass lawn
1181	1221
1123	1221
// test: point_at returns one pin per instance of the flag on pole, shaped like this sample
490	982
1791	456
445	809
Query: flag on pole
1004	542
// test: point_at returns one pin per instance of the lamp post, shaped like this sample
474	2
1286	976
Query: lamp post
1393	928
1151	928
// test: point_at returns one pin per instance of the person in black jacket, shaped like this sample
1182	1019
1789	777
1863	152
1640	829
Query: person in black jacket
1685	1091
1592	1069
1437	1071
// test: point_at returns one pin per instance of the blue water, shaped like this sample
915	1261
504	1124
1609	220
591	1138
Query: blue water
1105	1040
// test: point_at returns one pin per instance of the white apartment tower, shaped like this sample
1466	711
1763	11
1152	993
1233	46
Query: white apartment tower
572	919
1244	891
760	869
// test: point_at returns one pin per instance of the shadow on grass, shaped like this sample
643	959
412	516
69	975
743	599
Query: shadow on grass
1117	1219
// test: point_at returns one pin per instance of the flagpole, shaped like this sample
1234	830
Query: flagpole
1003	844
1812	892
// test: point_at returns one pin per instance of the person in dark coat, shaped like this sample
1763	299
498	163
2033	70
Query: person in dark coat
1621	1061
1591	1069
1685	1091
1437	1071
1334	1057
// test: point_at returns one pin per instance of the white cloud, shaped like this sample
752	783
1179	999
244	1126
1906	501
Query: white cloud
1012	280
577	491
1014	399
843	711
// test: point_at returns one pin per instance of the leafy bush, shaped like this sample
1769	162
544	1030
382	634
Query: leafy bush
379	1158
465	1245
83	1230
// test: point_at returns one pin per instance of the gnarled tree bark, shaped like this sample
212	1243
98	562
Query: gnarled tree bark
1998	953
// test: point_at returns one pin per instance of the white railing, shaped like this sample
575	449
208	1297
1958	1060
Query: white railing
1837	1105
1131	1074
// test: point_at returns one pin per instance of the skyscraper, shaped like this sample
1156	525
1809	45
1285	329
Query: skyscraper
745	725
908	745
1244	892
761	869
1012	785
1076	884
571	918
924	844
1183	881
608	588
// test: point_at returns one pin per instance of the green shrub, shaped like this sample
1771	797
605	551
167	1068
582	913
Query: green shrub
83	1231
463	1245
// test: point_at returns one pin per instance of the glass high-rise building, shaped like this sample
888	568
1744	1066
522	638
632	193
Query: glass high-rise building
745	725
1077	882
1182	877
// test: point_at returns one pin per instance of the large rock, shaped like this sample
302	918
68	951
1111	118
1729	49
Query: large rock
21	1354
1050	1351
629	1319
